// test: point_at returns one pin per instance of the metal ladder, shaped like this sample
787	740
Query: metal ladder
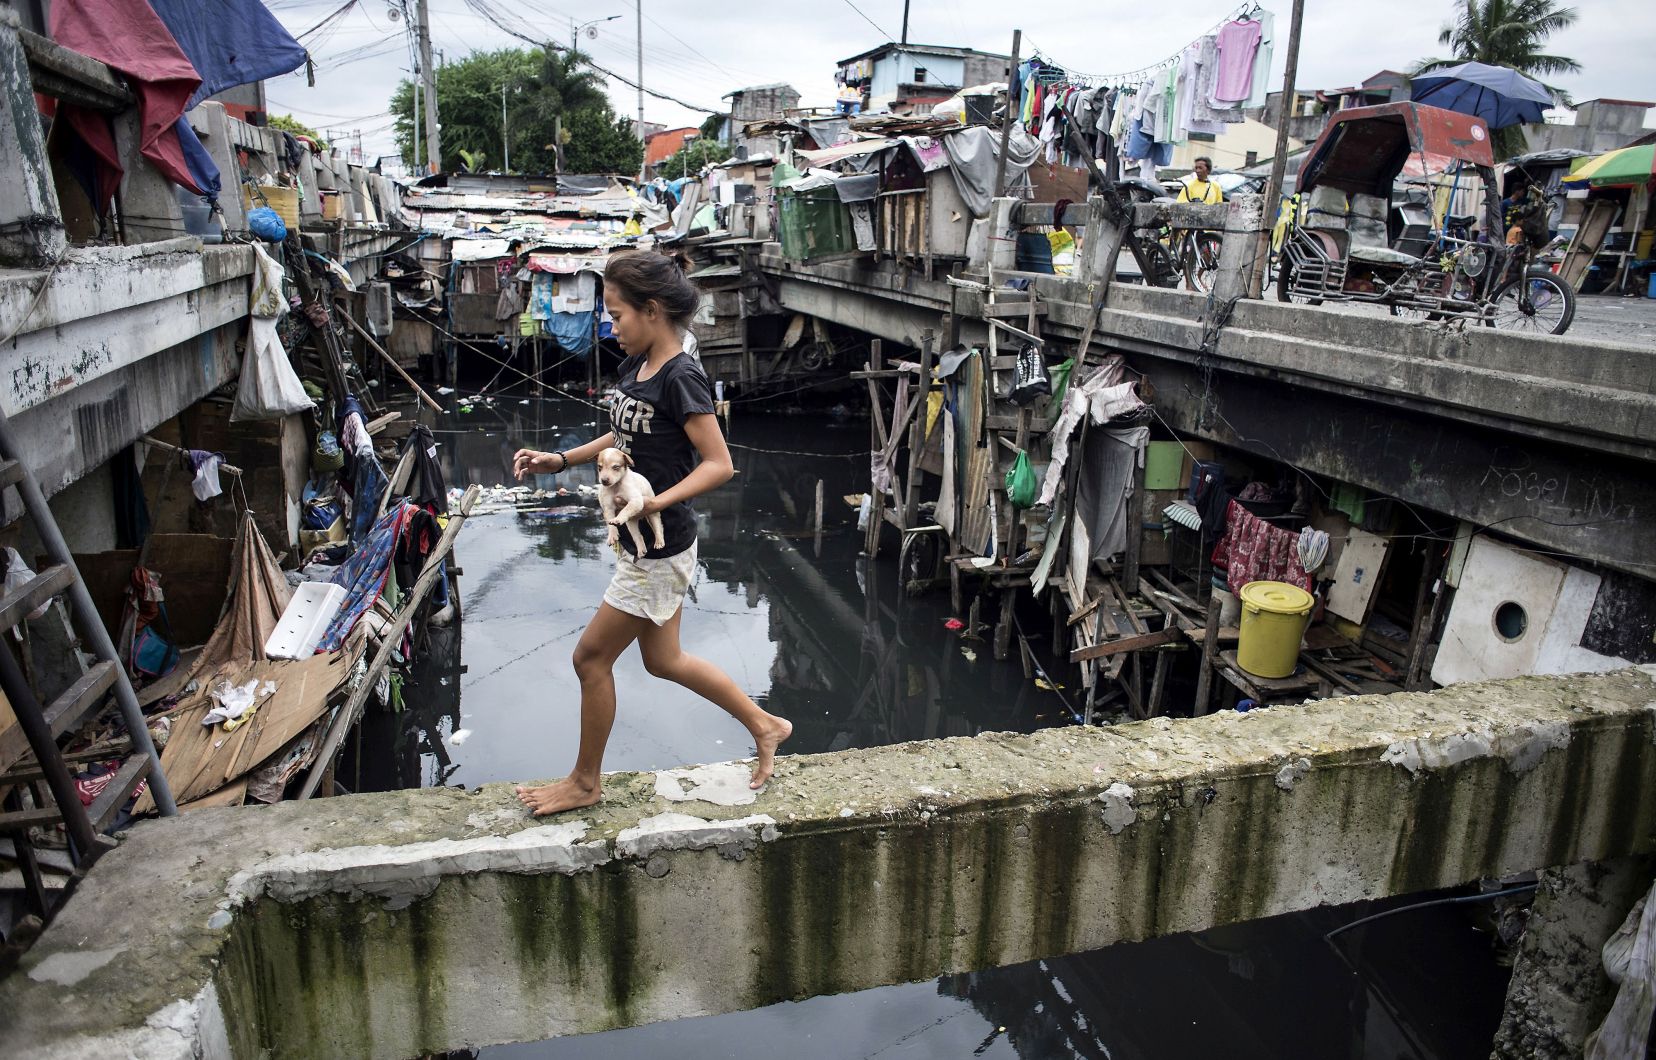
44	725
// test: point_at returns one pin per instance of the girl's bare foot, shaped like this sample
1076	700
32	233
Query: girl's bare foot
566	794
776	730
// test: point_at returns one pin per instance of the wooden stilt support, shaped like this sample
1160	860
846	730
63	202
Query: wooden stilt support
1003	628
1204	672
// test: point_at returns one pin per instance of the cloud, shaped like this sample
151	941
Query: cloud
699	54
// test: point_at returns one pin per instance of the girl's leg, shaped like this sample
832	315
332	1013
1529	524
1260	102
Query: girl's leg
605	638
663	658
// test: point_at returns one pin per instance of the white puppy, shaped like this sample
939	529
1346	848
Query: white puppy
621	494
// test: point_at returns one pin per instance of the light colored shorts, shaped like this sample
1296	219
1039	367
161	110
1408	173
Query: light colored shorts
651	588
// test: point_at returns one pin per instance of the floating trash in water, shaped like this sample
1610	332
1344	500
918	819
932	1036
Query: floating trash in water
445	390
954	625
459	737
971	656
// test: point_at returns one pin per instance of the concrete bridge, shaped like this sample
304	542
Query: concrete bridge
1551	439
399	924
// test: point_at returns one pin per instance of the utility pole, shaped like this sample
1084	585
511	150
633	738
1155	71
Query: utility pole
428	77
638	12
1279	159
905	22
1010	117
418	91
505	141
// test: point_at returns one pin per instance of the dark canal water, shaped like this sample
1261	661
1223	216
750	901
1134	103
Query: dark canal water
828	641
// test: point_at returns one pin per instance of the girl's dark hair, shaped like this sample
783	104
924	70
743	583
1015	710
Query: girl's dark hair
639	277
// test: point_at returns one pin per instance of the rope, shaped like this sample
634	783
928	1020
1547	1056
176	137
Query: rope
34	302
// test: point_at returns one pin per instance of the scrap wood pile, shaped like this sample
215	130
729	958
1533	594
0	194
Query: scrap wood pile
283	671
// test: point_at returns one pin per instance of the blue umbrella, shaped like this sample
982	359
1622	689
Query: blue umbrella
1501	97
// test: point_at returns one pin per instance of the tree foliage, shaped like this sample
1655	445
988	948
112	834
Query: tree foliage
689	159
288	123
540	88
1510	33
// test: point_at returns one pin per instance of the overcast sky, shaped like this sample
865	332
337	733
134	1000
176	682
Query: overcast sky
699	52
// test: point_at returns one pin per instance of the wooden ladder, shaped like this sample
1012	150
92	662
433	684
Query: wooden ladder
43	725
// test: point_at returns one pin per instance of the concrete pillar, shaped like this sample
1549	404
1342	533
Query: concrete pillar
1559	992
212	124
365	196
31	221
1236	257
315	177
1101	244
147	200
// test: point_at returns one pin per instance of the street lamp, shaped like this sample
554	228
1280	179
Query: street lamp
575	30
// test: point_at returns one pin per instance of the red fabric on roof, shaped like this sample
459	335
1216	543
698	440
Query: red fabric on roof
664	145
128	36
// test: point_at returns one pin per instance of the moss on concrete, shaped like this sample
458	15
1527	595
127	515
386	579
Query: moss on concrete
389	925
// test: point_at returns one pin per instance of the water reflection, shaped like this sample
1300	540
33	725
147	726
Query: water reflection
818	635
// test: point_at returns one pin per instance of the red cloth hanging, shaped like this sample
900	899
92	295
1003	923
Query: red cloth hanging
128	36
1252	550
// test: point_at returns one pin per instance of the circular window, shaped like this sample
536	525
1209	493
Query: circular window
1511	621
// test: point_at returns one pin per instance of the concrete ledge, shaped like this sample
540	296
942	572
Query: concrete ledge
394	925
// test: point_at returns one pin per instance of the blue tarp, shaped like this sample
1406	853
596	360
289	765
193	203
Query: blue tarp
572	330
229	42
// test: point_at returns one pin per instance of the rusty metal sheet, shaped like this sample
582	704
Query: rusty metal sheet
1365	148
977	460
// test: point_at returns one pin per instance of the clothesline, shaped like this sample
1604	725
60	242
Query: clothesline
1133	77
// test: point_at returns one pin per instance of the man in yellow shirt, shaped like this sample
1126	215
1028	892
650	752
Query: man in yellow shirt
1199	188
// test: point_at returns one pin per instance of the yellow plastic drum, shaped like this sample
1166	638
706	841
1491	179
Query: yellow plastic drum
1274	616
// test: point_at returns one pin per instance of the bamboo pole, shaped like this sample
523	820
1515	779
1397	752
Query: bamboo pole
392	361
348	714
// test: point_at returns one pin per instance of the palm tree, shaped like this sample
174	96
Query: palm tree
1510	33
563	84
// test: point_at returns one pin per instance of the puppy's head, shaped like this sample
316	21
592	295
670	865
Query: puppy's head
613	466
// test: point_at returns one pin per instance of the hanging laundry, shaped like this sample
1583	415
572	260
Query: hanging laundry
510	302
540	295
1261	81
1237	43
205	467
1254	550
1206	116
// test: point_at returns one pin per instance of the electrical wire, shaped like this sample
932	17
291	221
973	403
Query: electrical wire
1133	76
488	11
885	32
1523	888
337	13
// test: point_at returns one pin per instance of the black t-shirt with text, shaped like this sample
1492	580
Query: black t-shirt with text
648	420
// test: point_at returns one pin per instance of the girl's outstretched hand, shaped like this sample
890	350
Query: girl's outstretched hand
527	461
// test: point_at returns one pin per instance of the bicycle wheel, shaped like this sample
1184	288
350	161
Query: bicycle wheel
1163	270
1537	302
1200	260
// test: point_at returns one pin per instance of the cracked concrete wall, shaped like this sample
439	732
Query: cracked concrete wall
398	924
1559	992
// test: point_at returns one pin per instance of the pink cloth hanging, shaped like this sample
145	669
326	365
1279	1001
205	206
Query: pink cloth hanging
1237	43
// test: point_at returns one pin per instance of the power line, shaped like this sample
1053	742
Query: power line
883	31
487	10
692	48
346	6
